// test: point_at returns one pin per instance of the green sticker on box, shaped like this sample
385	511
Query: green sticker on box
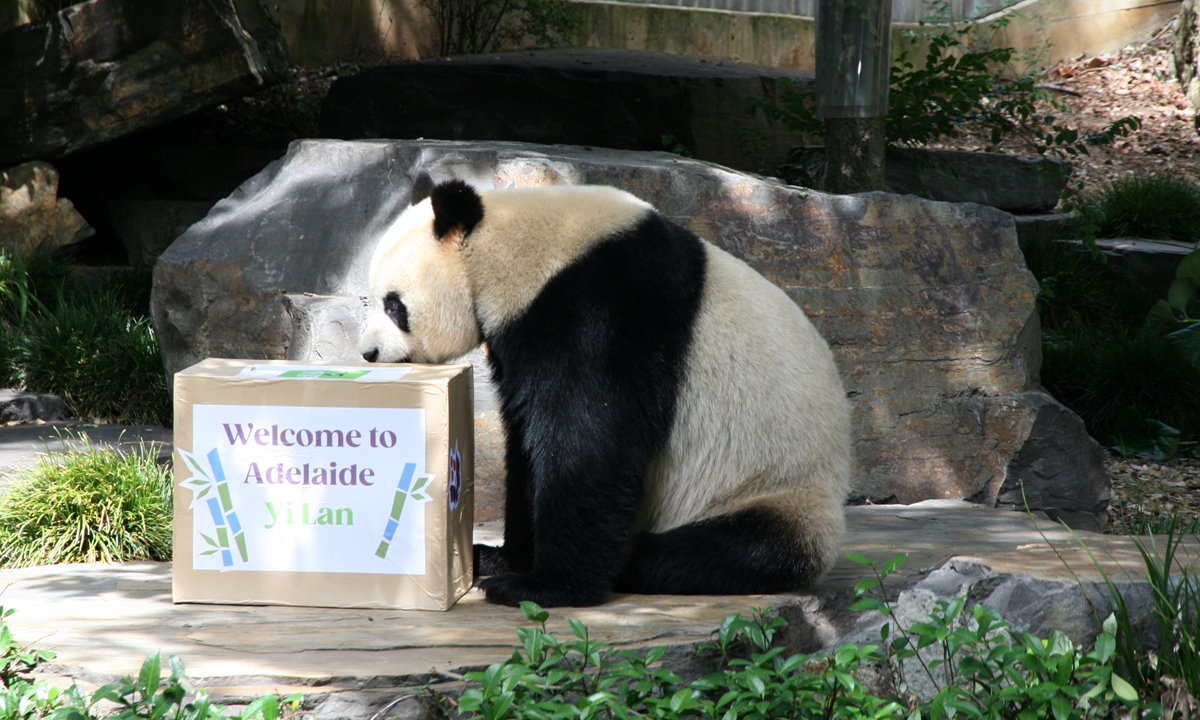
324	374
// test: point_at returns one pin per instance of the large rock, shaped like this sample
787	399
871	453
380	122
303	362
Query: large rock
106	68
603	97
32	215
928	306
1015	183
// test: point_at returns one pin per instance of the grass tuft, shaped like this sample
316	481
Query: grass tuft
1160	207
101	360
92	504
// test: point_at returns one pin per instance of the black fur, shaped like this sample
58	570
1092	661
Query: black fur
422	187
396	310
589	377
455	205
751	551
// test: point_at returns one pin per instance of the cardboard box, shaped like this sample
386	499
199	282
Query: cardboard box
324	485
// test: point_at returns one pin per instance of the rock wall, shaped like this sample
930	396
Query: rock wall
928	306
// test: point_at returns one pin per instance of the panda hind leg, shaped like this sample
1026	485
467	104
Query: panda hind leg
774	544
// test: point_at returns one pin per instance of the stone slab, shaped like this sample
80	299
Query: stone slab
104	619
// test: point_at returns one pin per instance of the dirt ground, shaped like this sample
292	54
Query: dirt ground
1098	90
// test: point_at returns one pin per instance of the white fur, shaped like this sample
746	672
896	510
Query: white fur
528	236
762	418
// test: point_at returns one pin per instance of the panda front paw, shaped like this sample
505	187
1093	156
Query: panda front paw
513	589
490	560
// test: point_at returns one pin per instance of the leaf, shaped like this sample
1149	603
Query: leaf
209	540
578	628
1123	689
1182	294
1189	268
534	612
1162	318
1105	646
867	604
150	674
893	564
860	559
1187	342
1148	438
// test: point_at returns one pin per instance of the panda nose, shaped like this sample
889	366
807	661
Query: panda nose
371	356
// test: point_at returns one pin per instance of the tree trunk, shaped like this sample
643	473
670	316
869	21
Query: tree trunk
854	151
1187	52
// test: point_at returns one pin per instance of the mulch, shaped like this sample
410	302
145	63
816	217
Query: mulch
1148	492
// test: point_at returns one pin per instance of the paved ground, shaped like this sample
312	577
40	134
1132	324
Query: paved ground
353	663
21	445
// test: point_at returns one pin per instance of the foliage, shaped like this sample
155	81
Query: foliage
979	667
468	27
1099	354
90	505
1134	435
147	697
956	85
101	360
1099	372
1161	206
975	663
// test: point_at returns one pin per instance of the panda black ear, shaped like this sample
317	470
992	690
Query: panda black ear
422	186
455	205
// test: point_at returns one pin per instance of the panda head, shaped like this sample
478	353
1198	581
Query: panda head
421	306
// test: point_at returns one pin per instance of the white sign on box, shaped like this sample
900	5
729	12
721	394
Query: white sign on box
317	484
278	488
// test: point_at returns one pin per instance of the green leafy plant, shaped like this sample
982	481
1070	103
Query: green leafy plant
90	504
977	665
101	360
1135	436
149	696
1178	317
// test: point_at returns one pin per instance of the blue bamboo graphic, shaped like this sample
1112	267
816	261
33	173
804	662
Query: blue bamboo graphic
235	527
403	492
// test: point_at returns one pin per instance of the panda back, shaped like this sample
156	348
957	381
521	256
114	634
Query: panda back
761	410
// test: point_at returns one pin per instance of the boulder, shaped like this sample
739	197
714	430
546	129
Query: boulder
1014	183
105	68
23	407
603	97
928	306
32	216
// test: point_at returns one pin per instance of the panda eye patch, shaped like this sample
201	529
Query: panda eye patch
395	309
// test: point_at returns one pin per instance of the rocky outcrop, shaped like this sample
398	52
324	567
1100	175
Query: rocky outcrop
1015	183
106	68
928	306
32	216
1186	51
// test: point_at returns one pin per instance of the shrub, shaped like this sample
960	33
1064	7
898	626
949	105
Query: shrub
1160	206
1097	373
90	505
102	361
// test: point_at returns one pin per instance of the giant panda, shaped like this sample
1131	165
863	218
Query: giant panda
675	424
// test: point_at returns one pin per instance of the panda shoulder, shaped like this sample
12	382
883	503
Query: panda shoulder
582	211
